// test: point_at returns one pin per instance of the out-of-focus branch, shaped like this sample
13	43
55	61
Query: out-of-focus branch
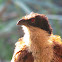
4	7
56	17
44	4
8	28
4	60
22	5
9	16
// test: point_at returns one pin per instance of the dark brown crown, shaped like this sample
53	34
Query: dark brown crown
36	20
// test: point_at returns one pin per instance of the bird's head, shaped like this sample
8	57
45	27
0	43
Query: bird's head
36	20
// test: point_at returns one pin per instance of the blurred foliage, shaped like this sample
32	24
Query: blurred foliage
12	10
1	1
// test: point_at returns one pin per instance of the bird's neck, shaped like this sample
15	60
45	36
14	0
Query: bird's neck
34	35
37	42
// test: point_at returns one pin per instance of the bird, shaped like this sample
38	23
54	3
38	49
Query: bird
38	44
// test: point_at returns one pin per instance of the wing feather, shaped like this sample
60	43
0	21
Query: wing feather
21	53
57	47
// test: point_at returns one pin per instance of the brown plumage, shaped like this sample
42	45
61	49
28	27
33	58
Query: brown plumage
38	43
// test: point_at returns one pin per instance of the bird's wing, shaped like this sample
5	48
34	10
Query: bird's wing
57	47
21	53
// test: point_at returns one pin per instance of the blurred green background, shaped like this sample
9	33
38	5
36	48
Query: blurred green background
12	10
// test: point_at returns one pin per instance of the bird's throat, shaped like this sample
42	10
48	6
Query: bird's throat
37	42
26	37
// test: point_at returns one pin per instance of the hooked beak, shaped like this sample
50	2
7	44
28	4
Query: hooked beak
20	22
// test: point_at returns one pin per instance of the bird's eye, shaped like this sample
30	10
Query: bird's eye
32	20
